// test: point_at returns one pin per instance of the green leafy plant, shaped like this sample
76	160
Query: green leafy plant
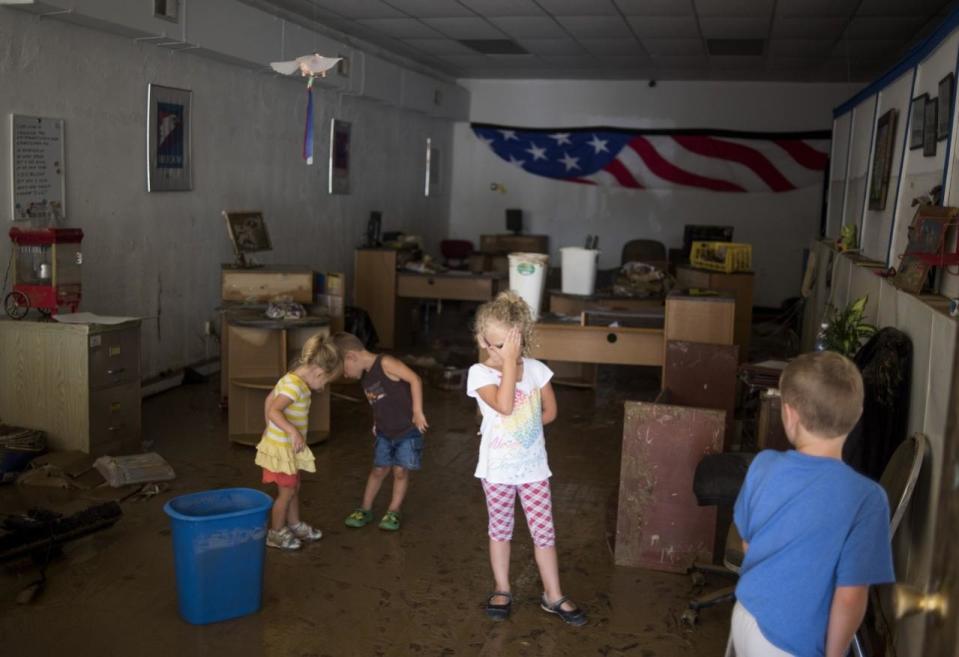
845	329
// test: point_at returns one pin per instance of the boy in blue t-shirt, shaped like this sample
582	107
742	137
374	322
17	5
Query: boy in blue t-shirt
815	533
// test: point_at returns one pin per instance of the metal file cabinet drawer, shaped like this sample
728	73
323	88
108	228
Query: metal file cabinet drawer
115	420
114	357
445	287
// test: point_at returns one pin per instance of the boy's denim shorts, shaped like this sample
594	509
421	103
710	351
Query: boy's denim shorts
404	450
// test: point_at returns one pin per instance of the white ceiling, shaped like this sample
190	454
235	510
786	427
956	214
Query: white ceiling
803	40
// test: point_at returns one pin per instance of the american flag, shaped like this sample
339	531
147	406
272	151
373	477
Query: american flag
718	160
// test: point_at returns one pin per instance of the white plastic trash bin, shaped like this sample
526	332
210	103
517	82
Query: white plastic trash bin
579	269
527	278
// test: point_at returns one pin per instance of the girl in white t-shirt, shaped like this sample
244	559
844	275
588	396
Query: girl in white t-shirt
516	399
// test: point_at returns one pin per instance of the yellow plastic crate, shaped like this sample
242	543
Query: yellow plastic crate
727	257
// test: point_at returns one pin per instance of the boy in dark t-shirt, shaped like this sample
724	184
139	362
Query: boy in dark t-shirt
815	532
396	394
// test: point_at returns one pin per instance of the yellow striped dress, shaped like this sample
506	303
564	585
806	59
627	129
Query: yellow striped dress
275	450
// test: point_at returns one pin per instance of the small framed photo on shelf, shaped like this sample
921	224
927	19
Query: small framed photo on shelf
929	128
882	160
947	87
339	157
917	117
169	160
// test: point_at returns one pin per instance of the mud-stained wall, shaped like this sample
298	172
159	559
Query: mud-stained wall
158	255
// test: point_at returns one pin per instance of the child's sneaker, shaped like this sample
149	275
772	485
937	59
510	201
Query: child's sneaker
359	518
283	539
390	521
306	533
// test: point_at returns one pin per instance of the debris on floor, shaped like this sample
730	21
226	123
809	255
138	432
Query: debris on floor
42	530
135	469
69	469
18	446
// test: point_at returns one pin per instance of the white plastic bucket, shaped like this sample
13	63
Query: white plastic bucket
527	278
579	270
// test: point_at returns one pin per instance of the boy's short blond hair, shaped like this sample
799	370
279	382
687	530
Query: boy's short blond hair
825	389
347	342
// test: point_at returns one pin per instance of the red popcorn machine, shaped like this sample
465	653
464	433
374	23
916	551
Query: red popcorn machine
46	271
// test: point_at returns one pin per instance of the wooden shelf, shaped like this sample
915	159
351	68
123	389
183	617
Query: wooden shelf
254	382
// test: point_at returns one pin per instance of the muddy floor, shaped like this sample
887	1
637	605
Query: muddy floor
365	592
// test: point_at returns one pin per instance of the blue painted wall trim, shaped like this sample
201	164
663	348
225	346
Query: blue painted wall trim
918	53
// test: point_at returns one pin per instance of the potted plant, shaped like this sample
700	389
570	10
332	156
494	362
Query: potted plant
843	331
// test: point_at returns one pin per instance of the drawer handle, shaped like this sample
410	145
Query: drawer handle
119	370
611	338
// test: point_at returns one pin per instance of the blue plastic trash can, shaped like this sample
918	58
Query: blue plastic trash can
218	545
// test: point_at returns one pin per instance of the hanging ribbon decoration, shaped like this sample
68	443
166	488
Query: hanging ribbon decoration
311	67
308	132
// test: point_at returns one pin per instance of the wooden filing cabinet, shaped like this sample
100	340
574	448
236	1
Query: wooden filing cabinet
80	383
739	284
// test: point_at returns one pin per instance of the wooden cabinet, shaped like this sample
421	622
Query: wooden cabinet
260	352
374	290
739	284
509	243
80	383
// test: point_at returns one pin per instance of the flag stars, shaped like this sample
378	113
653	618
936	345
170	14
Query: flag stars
561	138
537	152
570	162
599	145
513	160
508	135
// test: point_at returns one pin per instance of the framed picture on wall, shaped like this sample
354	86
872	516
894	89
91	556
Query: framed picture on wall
882	160
169	160
432	187
339	157
917	116
947	87
929	128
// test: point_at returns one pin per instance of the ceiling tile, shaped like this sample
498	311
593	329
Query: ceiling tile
595	27
775	64
533	27
734	7
674	46
467	60
800	47
736	63
808	28
613	46
399	27
882	27
815	8
552	46
430	8
664	27
869	49
655	7
579	7
360	8
503	7
716	27
899	8
569	60
464	28
440	46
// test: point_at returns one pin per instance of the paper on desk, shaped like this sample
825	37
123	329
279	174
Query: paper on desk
91	318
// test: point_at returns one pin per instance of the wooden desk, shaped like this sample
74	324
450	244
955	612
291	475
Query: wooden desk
740	284
384	292
584	374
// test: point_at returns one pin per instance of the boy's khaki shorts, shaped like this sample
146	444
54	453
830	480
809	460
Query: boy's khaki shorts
747	640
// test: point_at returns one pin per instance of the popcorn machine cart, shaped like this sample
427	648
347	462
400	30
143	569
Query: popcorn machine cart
46	270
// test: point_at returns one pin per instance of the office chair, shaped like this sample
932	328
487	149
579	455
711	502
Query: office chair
650	252
898	480
456	253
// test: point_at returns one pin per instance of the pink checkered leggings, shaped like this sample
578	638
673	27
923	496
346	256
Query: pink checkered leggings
537	505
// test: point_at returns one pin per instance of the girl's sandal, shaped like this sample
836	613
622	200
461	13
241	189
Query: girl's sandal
499	612
574	616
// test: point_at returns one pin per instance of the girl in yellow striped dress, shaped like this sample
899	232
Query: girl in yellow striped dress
282	451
